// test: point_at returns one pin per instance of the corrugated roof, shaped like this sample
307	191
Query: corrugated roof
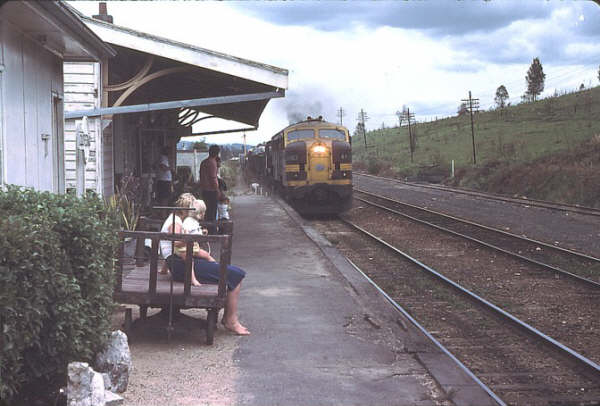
189	54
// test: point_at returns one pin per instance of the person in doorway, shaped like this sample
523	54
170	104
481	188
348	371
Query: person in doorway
209	182
205	269
164	178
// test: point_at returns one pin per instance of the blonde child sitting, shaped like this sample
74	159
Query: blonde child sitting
191	225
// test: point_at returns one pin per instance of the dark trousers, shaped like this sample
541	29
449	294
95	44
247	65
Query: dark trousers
210	199
163	191
205	272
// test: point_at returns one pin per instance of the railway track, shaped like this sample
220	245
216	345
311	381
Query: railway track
564	207
567	263
502	350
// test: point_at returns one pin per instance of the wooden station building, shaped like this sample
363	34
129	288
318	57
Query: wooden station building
149	95
35	39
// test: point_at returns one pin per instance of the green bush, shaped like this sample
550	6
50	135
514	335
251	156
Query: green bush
373	166
229	173
56	282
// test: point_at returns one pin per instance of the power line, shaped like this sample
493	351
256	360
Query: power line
561	74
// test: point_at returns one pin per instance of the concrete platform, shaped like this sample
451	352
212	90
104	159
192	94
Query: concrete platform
321	334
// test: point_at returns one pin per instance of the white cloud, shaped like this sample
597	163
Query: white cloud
384	55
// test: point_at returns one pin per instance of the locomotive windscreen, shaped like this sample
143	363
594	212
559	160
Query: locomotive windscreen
300	134
332	133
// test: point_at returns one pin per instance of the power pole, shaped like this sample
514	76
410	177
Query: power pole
472	104
362	117
341	113
408	116
410	136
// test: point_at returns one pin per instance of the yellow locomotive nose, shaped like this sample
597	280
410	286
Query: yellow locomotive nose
319	149
318	164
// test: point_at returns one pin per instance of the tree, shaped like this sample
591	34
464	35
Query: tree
526	97
359	130
599	72
226	152
501	96
462	109
201	145
535	79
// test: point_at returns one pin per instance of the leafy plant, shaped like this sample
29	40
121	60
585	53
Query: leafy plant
125	210
122	205
55	287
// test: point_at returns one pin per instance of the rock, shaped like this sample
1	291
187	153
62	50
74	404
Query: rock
115	360
112	399
85	387
107	383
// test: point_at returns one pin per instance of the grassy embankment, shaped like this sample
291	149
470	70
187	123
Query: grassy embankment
549	149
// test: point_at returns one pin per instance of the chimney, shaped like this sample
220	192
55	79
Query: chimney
103	13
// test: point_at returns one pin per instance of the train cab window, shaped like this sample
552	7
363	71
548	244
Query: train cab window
333	134
300	135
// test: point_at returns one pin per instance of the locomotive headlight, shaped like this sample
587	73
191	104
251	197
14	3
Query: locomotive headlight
319	149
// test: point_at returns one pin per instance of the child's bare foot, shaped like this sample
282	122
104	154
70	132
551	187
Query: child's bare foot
236	327
196	283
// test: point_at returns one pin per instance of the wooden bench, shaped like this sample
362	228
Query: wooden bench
144	286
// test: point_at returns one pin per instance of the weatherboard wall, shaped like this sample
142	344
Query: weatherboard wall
31	84
82	91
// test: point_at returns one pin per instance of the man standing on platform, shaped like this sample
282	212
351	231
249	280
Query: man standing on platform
209	183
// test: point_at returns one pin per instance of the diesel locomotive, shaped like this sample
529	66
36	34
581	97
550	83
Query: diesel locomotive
310	163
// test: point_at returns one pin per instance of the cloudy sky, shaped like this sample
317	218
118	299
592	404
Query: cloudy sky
382	55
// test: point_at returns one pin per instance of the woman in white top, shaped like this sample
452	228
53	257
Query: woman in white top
205	268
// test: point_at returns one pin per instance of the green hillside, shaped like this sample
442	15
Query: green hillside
547	149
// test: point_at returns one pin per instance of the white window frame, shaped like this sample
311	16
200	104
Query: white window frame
58	145
3	167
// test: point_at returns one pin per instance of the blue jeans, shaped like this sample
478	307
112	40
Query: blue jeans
205	271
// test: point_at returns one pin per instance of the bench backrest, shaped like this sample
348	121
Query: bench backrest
151	224
224	242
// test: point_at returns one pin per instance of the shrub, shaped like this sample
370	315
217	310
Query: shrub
56	281
229	173
373	166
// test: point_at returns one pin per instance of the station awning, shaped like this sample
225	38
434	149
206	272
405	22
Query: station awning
57	28
151	73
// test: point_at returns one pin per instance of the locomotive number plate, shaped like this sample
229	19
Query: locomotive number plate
320	167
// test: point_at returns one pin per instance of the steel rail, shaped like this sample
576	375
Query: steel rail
532	331
495	247
592	211
545	244
439	345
